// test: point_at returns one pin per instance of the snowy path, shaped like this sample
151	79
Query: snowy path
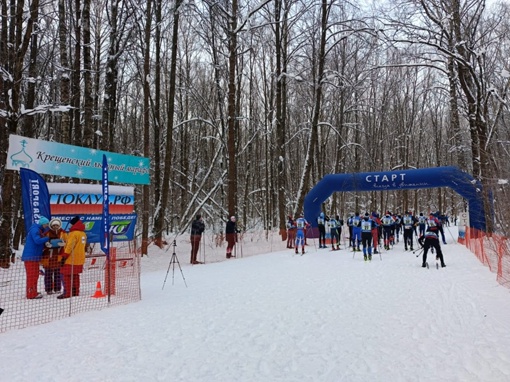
277	317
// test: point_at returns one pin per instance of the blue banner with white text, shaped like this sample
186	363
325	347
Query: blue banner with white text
105	243
60	159
35	197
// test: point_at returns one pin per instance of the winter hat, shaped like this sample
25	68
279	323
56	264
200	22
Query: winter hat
199	217
43	220
55	222
74	220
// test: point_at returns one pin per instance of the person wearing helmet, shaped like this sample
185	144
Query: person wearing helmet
32	254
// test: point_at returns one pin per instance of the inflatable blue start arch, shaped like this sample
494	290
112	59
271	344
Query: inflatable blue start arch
459	181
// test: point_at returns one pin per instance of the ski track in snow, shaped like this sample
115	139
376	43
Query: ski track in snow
276	317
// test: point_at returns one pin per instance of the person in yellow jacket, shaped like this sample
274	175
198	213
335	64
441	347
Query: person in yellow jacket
73	258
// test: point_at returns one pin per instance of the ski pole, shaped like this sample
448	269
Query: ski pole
420	252
203	247
451	234
241	245
306	234
418	249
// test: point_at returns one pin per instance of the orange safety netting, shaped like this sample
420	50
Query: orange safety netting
101	286
492	250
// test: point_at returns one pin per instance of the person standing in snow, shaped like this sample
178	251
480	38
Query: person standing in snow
375	231
52	256
73	258
291	232
366	227
340	223
351	236
387	223
231	235
335	236
321	224
197	228
422	222
407	223
301	225
356	231
32	254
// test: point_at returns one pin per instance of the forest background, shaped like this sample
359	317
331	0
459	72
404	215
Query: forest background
242	106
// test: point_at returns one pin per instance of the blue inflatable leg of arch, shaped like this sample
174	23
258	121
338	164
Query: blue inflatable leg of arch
459	181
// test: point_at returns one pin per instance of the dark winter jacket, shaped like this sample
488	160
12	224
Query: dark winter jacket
231	227
197	227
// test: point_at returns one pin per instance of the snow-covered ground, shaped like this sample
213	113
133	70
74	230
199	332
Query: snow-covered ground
324	316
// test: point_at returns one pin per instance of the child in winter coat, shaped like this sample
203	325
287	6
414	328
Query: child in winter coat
52	256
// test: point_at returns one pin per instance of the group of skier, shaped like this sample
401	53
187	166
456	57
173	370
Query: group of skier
366	231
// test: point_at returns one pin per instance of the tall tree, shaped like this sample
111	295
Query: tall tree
317	94
17	31
159	219
146	123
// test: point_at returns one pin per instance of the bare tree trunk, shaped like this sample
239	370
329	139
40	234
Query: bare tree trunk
312	143
76	133
157	145
280	127
146	125
16	35
65	79
165	191
88	99
28	126
231	110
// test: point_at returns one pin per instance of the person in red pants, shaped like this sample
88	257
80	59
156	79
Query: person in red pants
73	258
32	255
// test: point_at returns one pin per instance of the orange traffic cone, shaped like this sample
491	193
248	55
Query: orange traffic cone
99	293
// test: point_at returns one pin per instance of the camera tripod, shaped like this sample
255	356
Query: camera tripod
174	260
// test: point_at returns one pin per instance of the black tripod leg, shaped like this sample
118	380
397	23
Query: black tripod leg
176	260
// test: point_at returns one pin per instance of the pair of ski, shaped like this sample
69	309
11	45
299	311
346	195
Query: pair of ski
427	264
